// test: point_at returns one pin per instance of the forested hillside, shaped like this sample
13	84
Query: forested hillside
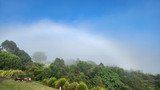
82	75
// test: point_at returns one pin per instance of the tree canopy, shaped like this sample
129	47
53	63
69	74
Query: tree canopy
11	47
9	61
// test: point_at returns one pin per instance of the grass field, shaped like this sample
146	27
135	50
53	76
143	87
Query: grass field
13	85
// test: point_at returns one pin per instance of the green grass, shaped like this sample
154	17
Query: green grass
14	85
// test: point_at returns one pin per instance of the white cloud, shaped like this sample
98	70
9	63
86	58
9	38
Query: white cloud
68	42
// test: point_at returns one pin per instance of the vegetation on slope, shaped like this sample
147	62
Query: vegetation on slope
80	75
14	85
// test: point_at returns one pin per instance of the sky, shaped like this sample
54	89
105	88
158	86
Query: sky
122	33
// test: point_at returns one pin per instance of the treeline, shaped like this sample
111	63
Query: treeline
82	75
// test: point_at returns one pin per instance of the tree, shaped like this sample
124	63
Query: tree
9	61
39	57
105	77
41	73
83	66
11	47
156	81
25	58
82	86
58	68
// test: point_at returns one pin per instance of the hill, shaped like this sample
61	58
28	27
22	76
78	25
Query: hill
14	85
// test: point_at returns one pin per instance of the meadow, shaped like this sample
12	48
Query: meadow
10	84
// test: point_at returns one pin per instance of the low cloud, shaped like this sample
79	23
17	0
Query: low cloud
68	42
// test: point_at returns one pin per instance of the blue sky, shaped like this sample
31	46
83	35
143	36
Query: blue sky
70	10
132	26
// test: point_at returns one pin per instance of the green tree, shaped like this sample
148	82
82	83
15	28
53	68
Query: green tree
82	86
104	77
41	73
11	47
9	61
83	66
58	68
80	72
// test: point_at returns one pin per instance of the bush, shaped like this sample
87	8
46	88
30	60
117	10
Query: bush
66	86
60	83
18	73
45	81
41	73
12	73
30	74
51	82
98	88
73	86
82	86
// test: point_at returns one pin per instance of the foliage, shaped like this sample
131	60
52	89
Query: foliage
40	73
98	88
79	72
73	86
11	73
9	61
157	82
137	80
45	81
60	83
82	86
157	85
58	68
83	66
51	82
104	77
11	47
66	86
93	76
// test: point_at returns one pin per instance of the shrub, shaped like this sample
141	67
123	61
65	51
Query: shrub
66	86
60	83
73	86
30	74
51	82
45	81
98	88
12	73
82	86
18	73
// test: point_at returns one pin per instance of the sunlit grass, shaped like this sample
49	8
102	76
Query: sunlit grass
13	85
